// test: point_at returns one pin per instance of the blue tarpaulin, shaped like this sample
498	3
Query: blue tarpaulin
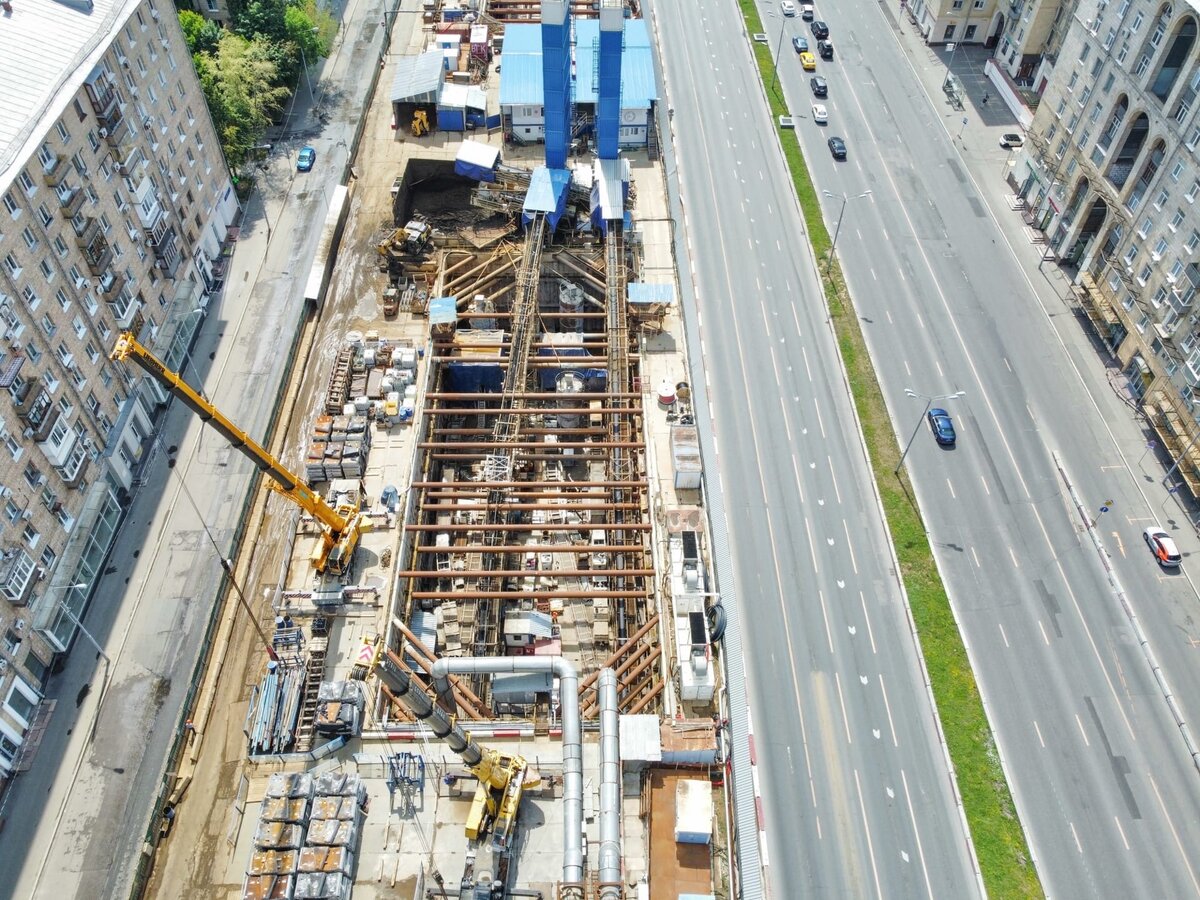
594	379
477	161
473	378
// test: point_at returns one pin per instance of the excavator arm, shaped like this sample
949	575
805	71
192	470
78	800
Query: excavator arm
341	532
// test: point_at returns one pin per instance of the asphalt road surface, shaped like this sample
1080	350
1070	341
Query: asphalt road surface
1100	773
857	795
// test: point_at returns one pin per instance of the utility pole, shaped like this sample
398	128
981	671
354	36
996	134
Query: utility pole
778	48
838	228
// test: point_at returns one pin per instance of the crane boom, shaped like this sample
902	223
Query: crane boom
341	528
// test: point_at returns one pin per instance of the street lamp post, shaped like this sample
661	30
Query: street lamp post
838	228
929	401
778	48
304	63
954	52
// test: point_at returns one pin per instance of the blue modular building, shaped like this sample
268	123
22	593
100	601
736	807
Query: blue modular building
523	97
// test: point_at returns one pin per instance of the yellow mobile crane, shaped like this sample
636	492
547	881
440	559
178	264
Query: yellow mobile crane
340	528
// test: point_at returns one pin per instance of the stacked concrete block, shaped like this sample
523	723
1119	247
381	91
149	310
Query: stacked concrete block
338	449
279	837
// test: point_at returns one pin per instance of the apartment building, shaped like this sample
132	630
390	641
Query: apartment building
1111	174
1031	38
958	21
115	205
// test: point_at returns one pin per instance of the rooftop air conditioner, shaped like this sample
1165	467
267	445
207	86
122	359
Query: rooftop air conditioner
3	666
123	61
27	515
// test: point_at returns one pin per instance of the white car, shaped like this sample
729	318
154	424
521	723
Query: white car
820	114
1162	546
807	12
788	8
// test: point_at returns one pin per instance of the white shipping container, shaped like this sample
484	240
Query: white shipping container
693	812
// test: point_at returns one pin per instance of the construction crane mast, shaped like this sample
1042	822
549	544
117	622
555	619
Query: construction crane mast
498	465
340	528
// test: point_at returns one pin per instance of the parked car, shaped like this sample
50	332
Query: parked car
837	147
808	61
820	30
1012	141
788	8
306	160
942	426
807	12
1162	546
820	114
799	44
820	87
825	48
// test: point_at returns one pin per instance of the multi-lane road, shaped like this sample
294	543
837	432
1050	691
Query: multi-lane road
857	795
1099	771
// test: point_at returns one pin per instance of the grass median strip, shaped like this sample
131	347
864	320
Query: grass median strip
996	831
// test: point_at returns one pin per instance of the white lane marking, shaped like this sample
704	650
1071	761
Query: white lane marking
870	633
1006	365
1121	832
888	707
867	828
1042	628
812	547
983	481
1174	833
938	366
1039	734
873	275
917	834
1003	635
950	485
807	369
975	556
1013	557
888	313
849	545
796	471
838	494
837	680
820	421
825	617
1074	834
1079	722
907	369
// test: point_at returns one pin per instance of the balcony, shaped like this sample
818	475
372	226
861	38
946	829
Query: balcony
129	157
54	174
72	203
98	256
112	287
101	95
117	133
87	229
39	416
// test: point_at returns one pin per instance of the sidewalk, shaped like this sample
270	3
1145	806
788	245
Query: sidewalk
77	820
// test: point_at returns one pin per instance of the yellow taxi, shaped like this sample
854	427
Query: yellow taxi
808	61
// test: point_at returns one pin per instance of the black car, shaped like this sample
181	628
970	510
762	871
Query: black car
837	147
820	87
825	48
820	30
800	44
943	427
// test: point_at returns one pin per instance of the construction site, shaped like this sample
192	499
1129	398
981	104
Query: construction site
473	649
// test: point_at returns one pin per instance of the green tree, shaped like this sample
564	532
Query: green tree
262	18
202	34
240	84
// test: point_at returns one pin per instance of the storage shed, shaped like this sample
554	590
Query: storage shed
477	161
461	106
417	85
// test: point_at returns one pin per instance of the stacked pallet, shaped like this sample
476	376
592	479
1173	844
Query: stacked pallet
278	838
325	870
339	448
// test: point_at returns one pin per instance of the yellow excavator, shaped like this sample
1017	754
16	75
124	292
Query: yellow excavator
502	779
341	528
420	123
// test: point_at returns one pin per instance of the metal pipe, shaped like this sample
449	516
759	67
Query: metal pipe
572	741
525	595
523	526
533	548
531	395
529	445
521	573
610	789
476	485
401	685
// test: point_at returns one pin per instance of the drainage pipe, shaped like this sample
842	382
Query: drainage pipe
610	788
572	740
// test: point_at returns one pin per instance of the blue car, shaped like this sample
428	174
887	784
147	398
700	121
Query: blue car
943	427
306	159
801	44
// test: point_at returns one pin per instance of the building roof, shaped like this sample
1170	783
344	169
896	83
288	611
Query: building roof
521	66
47	49
462	96
418	78
637	65
638	292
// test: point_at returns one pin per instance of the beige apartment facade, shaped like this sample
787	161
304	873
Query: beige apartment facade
114	206
958	21
1112	175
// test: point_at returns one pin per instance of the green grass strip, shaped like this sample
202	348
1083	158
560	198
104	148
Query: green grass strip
997	833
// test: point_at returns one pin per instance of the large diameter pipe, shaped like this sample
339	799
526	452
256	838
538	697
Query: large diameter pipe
572	740
412	696
610	788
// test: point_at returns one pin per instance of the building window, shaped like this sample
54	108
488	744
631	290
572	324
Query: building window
48	557
1190	196
1161	199
949	35
22	698
1176	220
1147	224
1144	275
33	476
37	668
27	184
12	642
1193	242
1142	65
31	537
